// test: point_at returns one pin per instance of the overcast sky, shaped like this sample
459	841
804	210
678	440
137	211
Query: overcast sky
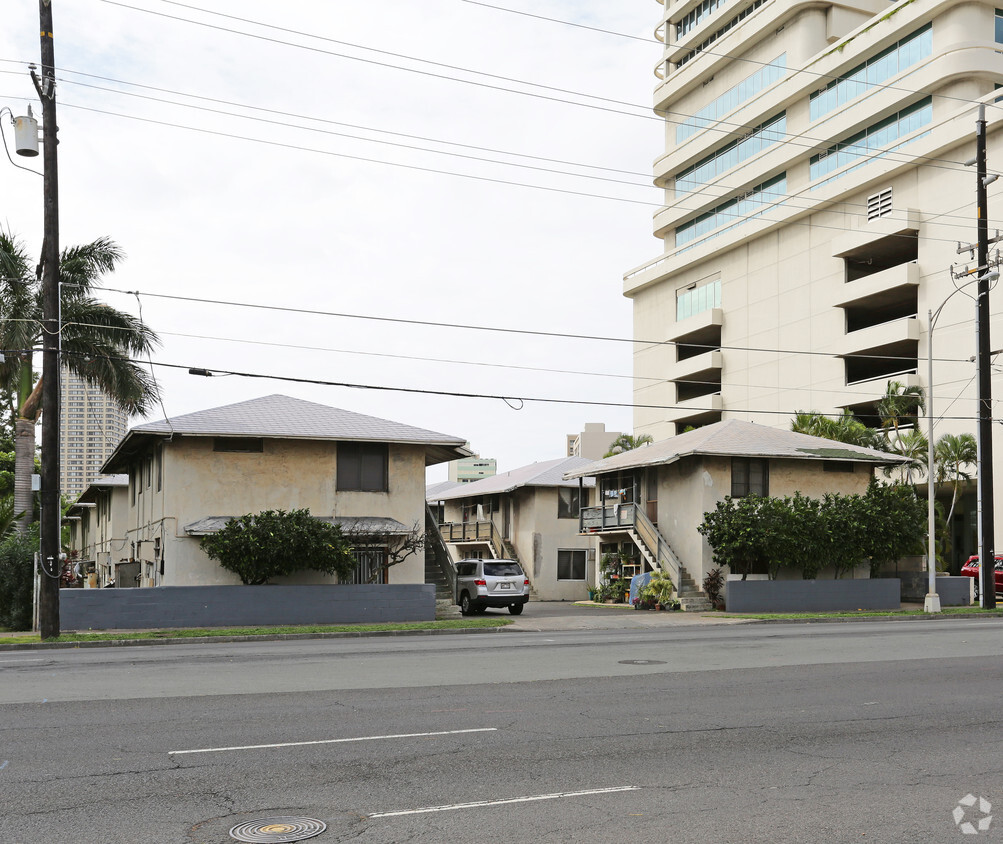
264	153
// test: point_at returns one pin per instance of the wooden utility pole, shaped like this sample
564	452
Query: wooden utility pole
51	510
987	557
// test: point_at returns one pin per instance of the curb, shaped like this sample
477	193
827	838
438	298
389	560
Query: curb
273	637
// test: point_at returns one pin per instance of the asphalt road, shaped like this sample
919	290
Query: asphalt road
815	733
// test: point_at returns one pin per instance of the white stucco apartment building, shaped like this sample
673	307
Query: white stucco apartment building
815	196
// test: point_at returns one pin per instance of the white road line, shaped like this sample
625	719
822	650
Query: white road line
331	741
482	803
30	659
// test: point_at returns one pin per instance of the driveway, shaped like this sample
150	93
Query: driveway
564	615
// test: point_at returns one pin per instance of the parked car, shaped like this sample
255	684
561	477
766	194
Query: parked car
491	583
971	569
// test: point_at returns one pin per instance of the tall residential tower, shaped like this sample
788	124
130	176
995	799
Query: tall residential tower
90	426
815	196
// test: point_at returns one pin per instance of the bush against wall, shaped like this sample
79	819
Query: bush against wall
840	532
17	561
260	546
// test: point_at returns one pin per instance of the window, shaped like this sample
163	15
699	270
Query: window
698	298
696	16
750	476
875	71
732	98
160	468
999	26
362	467
838	466
571	564
238	445
735	211
748	10
370	566
873	142
569	502
771	132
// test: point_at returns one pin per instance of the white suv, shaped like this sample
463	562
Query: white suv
490	583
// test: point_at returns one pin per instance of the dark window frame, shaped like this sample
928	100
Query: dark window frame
238	445
569	502
743	476
569	562
363	467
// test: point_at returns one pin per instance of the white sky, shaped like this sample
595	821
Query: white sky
208	216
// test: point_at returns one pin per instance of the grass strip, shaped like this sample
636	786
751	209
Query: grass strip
978	611
446	624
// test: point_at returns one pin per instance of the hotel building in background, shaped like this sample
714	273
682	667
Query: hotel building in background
815	196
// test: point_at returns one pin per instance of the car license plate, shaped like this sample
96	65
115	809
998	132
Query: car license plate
504	585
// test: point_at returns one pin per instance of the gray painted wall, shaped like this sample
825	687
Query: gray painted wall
229	606
812	595
953	591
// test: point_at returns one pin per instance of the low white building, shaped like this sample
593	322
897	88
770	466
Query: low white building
187	476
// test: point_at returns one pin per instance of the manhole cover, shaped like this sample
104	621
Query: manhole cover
642	662
277	829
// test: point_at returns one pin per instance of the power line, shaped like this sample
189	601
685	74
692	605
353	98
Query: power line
508	399
499	329
565	23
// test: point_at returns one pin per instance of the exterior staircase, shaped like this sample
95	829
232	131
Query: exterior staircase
439	568
659	554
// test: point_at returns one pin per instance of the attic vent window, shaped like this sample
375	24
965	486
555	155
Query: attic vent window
238	445
879	205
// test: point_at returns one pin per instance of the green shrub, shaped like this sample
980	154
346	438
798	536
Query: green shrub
17	561
260	546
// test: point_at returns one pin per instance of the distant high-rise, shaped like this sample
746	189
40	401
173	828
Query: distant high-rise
90	426
472	468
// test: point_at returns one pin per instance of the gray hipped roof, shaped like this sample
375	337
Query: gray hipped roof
548	473
348	524
283	417
736	438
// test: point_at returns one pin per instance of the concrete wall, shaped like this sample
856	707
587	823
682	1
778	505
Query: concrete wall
812	595
228	606
287	475
952	591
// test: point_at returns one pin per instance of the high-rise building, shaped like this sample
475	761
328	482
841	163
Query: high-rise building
593	442
815	196
473	468
90	426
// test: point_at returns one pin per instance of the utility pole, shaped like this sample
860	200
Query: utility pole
987	556
51	510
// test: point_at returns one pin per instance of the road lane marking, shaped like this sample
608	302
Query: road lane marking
331	741
482	803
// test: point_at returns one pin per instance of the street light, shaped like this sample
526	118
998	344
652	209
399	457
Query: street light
932	602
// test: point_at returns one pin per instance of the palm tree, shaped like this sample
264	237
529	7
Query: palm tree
914	446
900	405
627	442
951	454
97	341
845	429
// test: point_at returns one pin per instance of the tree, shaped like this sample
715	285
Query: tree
627	442
17	564
97	342
259	546
900	405
916	448
394	547
951	454
845	429
895	520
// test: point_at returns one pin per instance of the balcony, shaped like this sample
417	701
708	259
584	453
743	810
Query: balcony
881	289
705	367
882	338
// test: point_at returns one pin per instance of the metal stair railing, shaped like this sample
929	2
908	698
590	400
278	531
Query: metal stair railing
484	531
657	546
439	549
